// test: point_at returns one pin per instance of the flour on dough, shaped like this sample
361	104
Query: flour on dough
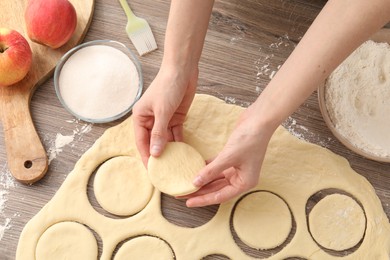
337	222
175	169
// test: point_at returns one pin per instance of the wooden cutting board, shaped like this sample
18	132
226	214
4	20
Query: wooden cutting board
27	159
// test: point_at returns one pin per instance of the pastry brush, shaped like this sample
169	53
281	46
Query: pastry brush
139	31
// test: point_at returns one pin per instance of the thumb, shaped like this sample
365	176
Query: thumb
158	137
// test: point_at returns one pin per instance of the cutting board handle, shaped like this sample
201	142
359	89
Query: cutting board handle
27	159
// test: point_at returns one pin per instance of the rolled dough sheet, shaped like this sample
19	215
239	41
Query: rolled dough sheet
292	169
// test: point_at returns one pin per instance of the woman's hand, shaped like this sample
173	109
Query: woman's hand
336	32
159	115
237	167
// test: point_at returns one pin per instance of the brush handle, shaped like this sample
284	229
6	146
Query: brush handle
129	13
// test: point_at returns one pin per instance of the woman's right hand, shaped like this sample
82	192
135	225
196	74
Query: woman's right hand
236	168
160	113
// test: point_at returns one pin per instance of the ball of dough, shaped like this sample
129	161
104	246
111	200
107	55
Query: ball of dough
262	220
174	171
337	222
144	247
121	186
67	240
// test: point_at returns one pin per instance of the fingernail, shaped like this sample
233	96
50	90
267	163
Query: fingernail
189	204
155	150
198	181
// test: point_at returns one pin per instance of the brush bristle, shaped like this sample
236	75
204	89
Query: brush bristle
143	40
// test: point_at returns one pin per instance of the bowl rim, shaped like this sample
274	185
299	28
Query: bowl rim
382	35
106	42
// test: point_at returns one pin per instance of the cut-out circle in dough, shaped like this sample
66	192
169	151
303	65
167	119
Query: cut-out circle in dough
337	222
262	220
67	240
175	169
144	247
189	217
121	186
216	257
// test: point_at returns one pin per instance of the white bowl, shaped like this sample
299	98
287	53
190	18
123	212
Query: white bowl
381	36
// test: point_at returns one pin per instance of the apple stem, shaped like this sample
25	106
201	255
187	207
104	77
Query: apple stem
3	49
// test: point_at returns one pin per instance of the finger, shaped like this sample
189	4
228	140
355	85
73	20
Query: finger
211	172
208	161
216	197
208	188
177	132
158	136
170	137
142	142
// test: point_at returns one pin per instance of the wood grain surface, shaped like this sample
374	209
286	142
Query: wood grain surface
246	43
26	155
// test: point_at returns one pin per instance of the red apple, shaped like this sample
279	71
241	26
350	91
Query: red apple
15	57
50	22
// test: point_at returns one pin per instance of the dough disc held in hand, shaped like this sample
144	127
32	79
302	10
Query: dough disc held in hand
175	169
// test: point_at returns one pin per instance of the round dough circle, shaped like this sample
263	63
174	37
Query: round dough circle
337	222
175	169
121	186
67	240
144	247
262	220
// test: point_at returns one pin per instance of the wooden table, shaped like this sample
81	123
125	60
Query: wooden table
246	43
